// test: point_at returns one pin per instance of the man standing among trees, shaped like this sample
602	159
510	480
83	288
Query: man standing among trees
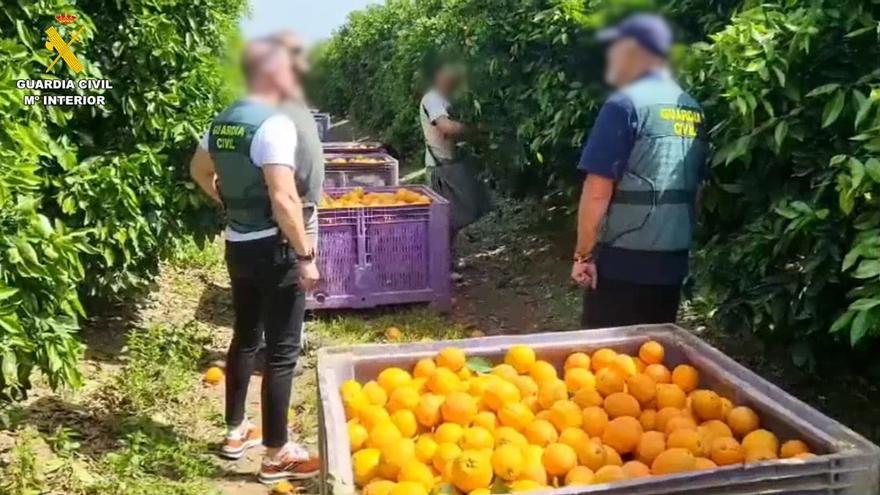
248	163
450	173
644	161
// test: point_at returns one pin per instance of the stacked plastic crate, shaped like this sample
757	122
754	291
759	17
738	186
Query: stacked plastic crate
376	255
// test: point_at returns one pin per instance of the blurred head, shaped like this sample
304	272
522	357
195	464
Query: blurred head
446	78
637	45
267	71
296	49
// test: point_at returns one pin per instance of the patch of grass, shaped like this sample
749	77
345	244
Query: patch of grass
23	475
160	362
415	325
191	255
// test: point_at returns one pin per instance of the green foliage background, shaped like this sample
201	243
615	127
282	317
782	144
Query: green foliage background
92	198
790	245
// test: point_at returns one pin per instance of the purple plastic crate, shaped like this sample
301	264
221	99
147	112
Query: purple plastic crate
359	147
377	256
362	174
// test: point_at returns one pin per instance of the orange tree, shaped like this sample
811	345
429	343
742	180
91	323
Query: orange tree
91	198
789	240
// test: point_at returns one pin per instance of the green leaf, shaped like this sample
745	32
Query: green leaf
833	108
842	322
867	269
824	89
7	292
479	364
856	172
872	167
859	327
864	304
780	133
862	111
499	486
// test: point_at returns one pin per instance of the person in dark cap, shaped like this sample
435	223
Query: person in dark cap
643	163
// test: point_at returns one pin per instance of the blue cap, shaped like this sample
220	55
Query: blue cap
652	32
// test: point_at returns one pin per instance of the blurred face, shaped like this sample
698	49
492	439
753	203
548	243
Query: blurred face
299	57
446	80
625	62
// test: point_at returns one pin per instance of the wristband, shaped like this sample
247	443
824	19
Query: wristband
306	257
580	258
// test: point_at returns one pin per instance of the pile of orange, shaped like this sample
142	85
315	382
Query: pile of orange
526	425
355	160
357	197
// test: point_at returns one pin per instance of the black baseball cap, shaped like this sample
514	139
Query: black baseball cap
651	31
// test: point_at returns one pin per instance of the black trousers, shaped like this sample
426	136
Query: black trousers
268	302
615	303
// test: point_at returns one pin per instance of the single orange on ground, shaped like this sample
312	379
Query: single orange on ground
213	375
393	334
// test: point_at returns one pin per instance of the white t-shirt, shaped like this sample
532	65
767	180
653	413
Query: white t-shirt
274	143
432	107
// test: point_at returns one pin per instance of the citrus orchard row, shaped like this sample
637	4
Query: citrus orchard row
521	426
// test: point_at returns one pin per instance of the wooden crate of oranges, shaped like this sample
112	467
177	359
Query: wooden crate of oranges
645	407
